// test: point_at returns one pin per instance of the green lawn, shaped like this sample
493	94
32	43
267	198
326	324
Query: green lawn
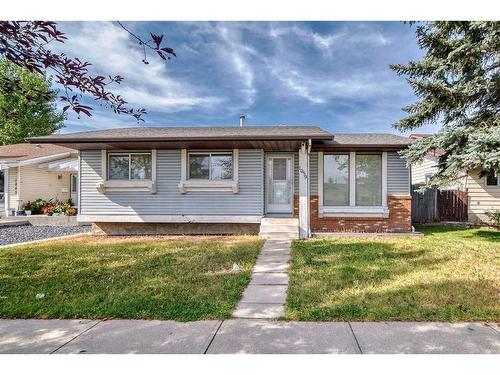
451	274
181	278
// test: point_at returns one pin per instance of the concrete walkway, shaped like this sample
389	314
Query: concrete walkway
265	296
244	336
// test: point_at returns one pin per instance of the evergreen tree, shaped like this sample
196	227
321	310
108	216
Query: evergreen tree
28	108
458	86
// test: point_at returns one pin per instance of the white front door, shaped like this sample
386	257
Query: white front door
279	183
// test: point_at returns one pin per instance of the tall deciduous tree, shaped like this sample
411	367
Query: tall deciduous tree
458	86
28	108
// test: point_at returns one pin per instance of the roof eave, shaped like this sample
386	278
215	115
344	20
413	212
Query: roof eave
56	140
360	146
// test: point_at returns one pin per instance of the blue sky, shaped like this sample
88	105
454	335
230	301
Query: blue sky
332	74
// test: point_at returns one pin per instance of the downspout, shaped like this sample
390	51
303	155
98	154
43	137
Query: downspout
309	146
18	204
6	190
78	190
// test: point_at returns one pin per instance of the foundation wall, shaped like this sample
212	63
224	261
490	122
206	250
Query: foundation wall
118	229
399	220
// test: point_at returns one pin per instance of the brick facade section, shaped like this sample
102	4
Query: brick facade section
295	206
399	220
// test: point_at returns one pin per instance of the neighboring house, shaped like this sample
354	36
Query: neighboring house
222	179
483	191
32	171
483	195
422	172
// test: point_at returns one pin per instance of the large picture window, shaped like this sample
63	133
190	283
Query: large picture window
352	180
210	166
368	180
336	180
129	166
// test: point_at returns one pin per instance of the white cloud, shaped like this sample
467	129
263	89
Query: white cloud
345	38
111	51
100	119
235	54
167	101
320	89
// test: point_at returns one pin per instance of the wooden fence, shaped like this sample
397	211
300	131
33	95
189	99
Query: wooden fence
438	205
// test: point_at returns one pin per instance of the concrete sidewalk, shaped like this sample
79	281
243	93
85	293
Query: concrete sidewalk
244	336
265	296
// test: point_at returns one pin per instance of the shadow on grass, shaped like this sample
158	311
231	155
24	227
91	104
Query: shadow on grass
439	301
488	235
429	230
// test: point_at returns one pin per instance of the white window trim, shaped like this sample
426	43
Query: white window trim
352	210
126	185
186	184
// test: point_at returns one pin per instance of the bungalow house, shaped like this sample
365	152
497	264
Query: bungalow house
483	192
32	171
295	180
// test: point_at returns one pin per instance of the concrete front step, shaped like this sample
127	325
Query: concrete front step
279	220
279	228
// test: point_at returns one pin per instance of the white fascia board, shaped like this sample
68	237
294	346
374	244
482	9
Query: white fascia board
44	158
58	163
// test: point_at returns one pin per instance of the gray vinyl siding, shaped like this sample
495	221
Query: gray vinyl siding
313	173
398	176
168	200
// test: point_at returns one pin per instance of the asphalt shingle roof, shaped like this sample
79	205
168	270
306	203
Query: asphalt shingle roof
367	139
190	133
26	151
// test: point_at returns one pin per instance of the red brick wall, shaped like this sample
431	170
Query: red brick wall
399	219
295	206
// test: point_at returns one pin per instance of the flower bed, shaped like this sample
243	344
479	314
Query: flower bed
49	207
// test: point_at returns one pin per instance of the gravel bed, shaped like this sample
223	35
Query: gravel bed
25	233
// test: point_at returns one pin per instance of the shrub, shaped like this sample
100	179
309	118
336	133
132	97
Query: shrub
71	211
495	217
49	207
26	206
37	206
61	208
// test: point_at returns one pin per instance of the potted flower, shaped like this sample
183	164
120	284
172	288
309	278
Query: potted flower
26	207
